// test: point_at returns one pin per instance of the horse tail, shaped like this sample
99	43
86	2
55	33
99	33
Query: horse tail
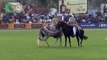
82	36
85	37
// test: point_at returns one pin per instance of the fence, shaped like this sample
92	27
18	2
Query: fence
23	25
39	25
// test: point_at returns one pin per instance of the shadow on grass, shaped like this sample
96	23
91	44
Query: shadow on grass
58	47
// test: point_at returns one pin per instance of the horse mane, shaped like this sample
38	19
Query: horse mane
66	25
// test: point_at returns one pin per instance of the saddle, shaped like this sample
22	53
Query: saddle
50	32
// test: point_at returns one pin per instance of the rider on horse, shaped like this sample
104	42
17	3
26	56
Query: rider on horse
53	23
51	29
73	22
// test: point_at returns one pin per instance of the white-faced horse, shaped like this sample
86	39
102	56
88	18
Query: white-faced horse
45	33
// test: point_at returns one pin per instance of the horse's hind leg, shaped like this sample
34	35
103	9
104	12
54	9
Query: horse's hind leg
59	42
56	41
81	43
47	43
78	40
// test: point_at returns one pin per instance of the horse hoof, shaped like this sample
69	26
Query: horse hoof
81	45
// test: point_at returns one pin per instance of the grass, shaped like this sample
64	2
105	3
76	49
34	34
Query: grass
22	45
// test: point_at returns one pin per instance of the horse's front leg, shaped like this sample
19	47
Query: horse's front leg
69	41
56	41
60	41
65	41
39	41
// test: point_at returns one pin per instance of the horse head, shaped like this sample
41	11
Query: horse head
59	24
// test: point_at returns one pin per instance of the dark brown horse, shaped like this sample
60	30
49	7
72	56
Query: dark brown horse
68	32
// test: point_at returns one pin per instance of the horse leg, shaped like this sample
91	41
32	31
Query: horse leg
65	41
78	40
39	41
60	41
81	43
69	42
47	43
56	41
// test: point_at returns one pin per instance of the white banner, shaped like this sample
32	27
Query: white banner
76	6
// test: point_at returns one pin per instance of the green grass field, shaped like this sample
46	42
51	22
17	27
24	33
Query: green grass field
22	45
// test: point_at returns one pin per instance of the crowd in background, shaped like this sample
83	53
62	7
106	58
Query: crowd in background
97	17
36	18
29	16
